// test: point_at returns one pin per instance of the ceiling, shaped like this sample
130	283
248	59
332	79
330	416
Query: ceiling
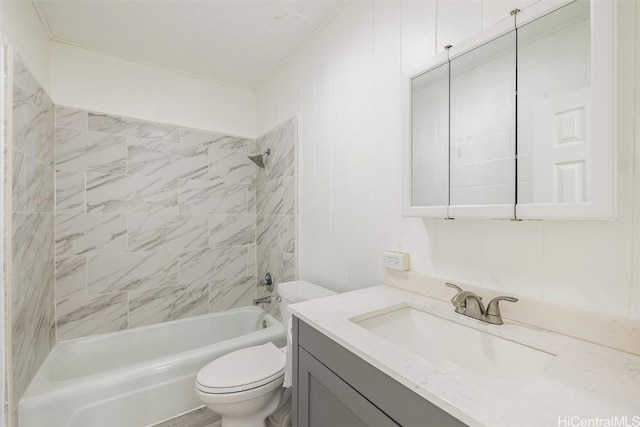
235	41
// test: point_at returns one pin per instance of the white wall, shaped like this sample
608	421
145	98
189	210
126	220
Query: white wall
87	79
21	28
345	88
91	80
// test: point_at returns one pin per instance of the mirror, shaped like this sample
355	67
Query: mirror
504	125
554	111
430	138
482	112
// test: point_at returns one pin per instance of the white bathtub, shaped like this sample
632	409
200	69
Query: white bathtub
138	377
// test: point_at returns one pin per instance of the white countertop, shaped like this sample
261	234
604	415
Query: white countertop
584	380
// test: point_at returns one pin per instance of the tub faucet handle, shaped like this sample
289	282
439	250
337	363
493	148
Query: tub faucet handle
267	282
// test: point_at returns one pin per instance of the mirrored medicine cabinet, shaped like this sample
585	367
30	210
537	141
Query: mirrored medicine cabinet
516	123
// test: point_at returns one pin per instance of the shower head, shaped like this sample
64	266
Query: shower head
258	159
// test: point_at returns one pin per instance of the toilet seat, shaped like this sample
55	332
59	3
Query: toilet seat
240	388
243	370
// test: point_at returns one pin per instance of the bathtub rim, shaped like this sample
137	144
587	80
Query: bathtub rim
41	384
161	324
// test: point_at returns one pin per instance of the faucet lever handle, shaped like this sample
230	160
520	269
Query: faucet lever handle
457	288
494	308
454	286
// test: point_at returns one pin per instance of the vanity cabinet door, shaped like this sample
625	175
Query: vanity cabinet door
325	400
334	387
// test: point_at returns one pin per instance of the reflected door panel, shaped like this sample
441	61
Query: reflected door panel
561	155
554	111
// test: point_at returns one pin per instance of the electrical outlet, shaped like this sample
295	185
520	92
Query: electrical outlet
396	260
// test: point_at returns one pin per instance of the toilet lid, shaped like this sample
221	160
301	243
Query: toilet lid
242	370
301	290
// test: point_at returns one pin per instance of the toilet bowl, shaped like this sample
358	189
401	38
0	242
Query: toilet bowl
245	386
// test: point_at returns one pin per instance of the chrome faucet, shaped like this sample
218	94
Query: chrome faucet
263	300
470	304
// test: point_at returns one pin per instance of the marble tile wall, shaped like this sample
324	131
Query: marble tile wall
153	223
30	212
276	207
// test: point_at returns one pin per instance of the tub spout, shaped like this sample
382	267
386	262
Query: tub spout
263	300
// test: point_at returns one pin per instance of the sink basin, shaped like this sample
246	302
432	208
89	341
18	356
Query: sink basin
451	344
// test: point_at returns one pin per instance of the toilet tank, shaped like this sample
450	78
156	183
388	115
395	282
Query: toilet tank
298	291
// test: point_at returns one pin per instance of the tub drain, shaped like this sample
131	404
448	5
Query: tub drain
264	324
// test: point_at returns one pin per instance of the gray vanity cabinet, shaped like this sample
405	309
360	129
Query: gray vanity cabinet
332	387
329	401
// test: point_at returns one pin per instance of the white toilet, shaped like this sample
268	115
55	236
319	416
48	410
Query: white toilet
245	386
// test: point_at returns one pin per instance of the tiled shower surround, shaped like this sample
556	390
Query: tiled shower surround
118	223
153	223
277	207
30	224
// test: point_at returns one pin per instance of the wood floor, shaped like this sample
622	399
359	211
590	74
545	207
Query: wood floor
202	417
